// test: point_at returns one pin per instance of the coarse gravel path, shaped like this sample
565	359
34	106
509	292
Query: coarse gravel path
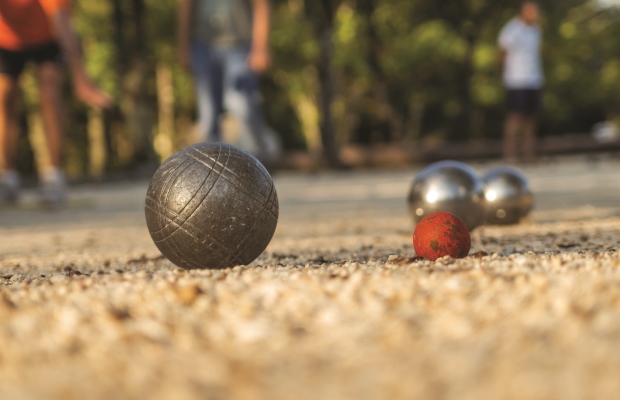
338	307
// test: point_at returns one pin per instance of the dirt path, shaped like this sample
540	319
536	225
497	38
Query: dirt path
337	307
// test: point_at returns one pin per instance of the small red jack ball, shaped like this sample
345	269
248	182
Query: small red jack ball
441	234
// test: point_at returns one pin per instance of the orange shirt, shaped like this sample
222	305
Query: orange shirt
25	23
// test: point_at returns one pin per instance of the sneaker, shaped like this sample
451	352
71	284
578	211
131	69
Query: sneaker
9	186
53	187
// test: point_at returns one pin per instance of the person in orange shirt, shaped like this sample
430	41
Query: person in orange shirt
39	31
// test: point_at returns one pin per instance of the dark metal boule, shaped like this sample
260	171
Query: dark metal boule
211	205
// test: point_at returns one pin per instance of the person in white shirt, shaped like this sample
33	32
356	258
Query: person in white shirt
520	43
225	44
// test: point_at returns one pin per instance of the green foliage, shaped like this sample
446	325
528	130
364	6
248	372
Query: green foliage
404	69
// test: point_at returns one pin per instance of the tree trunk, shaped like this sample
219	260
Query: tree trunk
164	141
326	79
463	128
413	129
130	38
322	15
384	110
308	115
121	151
97	148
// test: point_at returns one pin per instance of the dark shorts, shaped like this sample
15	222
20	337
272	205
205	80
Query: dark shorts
12	62
523	101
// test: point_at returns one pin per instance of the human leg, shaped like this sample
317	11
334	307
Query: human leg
530	124
50	99
53	185
207	73
511	132
242	99
9	129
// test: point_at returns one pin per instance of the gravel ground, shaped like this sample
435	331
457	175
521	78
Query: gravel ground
338	307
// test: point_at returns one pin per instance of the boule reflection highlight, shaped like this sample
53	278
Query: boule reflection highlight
448	186
508	195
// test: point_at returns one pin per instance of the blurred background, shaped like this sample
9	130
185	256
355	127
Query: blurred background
377	82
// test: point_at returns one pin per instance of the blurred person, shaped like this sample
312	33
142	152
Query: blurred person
520	43
39	31
225	45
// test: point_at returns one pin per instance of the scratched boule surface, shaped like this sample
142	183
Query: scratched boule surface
211	205
338	307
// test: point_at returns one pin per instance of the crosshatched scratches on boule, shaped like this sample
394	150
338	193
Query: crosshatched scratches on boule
211	205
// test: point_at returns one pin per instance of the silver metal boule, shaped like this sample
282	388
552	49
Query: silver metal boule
508	195
448	186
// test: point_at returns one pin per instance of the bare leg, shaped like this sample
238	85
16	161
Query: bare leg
53	185
9	99
511	130
50	93
530	123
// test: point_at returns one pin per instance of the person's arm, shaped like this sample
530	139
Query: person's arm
260	58
184	32
504	41
84	88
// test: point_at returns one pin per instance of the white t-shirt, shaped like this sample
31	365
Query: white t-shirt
522	67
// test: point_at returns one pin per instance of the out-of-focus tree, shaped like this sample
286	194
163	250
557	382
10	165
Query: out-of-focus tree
344	71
